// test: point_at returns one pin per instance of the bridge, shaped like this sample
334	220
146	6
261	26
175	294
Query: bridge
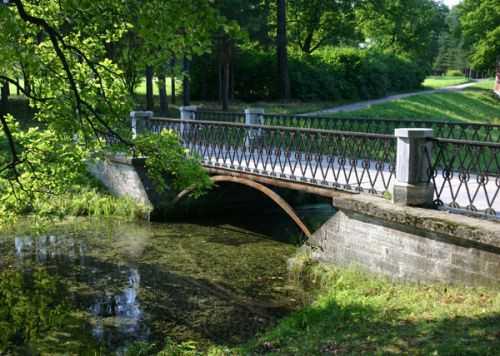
356	163
458	170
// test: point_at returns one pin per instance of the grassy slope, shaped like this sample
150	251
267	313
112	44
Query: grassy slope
486	85
434	82
470	105
356	313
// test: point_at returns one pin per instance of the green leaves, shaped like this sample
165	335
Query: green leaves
170	165
480	24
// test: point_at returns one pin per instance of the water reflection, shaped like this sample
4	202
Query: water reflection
131	282
120	311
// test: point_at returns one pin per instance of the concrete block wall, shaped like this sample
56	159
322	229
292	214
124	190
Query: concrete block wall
407	244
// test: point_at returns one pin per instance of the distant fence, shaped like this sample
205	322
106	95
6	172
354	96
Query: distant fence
443	129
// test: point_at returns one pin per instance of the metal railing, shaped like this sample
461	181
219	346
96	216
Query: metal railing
351	161
443	129
465	175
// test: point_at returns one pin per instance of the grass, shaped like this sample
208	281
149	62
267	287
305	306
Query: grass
435	82
469	105
486	85
355	313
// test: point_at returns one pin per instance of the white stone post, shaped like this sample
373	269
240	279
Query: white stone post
188	112
254	116
411	186
134	115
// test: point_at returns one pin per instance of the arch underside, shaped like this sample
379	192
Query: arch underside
261	188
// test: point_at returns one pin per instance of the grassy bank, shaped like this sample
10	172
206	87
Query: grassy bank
359	314
87	200
435	82
469	105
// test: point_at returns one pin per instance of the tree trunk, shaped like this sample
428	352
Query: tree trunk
149	88
226	62
220	80
185	83
4	104
231	81
162	91
18	92
283	78
172	79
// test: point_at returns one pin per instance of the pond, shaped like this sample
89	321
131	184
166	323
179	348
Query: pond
213	282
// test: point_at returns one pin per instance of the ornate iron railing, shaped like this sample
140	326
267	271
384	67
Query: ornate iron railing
465	175
349	161
443	129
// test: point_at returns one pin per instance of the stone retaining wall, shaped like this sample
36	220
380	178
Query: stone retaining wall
414	244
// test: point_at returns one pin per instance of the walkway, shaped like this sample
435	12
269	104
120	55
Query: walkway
368	103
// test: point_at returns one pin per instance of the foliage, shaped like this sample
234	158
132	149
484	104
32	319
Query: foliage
165	154
480	24
78	94
358	313
405	27
31	303
317	23
329	74
454	73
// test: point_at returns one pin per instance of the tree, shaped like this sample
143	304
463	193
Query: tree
405	27
316	23
282	54
82	102
480	25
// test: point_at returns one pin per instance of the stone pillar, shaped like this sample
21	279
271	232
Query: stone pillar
254	116
411	186
188	112
134	115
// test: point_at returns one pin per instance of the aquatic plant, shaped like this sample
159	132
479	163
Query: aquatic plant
31	303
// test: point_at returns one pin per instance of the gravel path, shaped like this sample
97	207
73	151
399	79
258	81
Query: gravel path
364	104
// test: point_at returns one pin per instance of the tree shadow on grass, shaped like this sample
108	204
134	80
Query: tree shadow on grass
360	329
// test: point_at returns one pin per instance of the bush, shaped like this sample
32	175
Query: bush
454	73
330	74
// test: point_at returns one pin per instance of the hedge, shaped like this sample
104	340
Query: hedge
328	75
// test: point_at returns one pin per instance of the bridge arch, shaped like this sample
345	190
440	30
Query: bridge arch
261	188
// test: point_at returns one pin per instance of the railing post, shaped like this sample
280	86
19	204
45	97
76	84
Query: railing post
254	116
188	112
134	115
412	185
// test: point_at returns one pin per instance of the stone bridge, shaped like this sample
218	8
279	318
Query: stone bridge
400	237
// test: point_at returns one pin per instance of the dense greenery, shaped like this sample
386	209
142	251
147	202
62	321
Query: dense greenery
480	25
329	74
78	94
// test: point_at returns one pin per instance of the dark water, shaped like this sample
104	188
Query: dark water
214	283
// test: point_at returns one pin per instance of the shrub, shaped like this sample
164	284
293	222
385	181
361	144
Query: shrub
454	73
329	74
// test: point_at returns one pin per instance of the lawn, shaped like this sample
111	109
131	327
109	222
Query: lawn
469	105
435	82
362	314
487	84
